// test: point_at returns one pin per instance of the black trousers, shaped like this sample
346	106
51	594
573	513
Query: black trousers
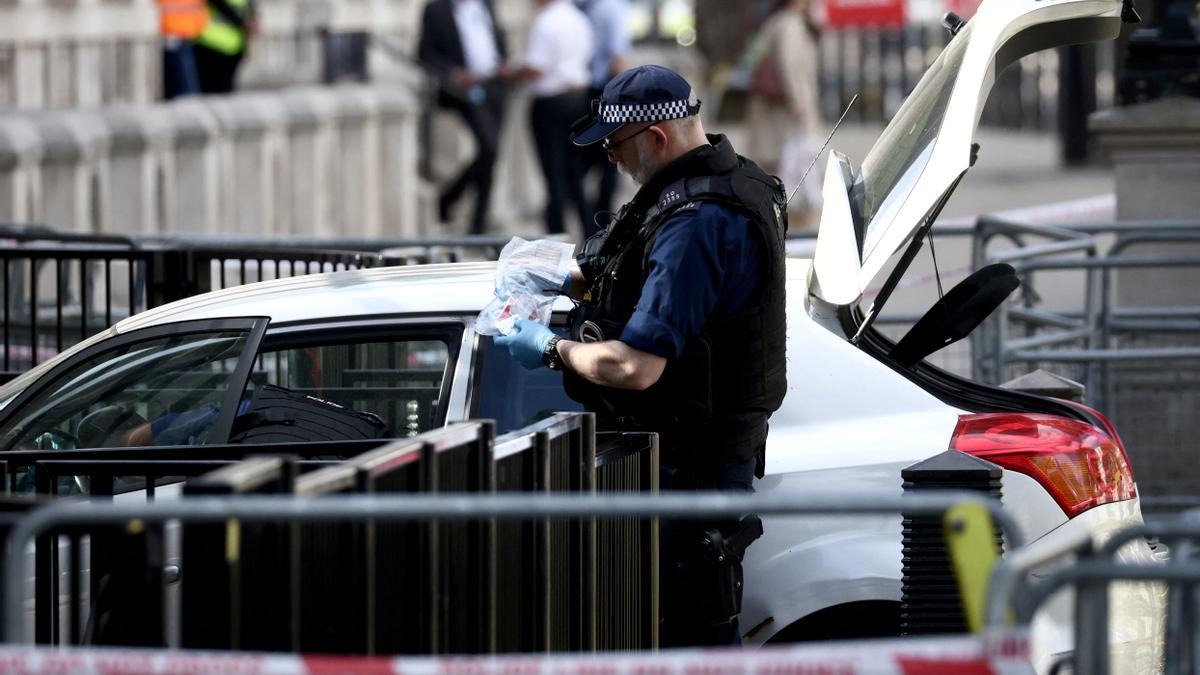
562	162
484	118
218	71
690	592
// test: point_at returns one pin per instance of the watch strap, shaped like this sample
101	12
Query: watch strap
550	355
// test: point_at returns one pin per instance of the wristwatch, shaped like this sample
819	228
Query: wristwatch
550	355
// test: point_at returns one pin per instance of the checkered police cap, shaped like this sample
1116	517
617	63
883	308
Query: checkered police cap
642	94
651	112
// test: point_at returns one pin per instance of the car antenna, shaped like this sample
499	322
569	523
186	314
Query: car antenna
822	150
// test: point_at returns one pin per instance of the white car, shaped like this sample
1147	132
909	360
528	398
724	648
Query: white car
399	342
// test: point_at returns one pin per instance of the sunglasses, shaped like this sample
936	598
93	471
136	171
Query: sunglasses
610	145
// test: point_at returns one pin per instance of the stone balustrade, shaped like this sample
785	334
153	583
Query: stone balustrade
339	160
84	145
78	53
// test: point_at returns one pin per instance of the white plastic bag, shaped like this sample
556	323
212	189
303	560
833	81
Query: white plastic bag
529	276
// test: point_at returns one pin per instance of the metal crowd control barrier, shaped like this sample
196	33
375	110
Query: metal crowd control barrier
267	510
364	569
100	465
101	473
61	287
106	553
368	586
1083	336
232	566
626	548
78	281
1013	589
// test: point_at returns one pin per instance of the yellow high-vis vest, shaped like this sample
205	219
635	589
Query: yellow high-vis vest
222	36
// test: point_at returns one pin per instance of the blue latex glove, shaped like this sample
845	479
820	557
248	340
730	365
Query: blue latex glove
527	343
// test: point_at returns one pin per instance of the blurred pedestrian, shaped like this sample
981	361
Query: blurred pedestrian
785	107
180	22
462	43
557	62
610	26
221	47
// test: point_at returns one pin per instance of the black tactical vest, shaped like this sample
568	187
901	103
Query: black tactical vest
712	403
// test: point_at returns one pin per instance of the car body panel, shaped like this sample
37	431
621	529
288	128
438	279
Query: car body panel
811	431
1136	610
462	288
802	565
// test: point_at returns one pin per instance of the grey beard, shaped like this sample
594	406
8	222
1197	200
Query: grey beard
646	169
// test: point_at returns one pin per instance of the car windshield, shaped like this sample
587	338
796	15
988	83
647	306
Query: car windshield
900	155
19	383
121	396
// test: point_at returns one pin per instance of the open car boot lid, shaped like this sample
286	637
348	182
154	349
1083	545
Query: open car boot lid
910	172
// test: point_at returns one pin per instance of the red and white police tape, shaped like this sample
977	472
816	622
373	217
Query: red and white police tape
1000	654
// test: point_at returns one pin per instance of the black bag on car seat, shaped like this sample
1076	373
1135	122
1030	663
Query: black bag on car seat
278	415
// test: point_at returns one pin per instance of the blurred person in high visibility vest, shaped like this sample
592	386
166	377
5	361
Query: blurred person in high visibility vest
181	21
223	43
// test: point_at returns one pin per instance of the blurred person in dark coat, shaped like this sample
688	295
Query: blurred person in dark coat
462	43
610	27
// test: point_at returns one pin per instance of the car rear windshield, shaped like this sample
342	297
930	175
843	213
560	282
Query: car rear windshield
902	151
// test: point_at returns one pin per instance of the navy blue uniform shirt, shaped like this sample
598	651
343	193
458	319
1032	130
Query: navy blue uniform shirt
704	264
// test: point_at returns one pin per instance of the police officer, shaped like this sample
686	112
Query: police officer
681	327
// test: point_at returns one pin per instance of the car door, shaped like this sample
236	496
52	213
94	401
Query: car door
515	397
179	381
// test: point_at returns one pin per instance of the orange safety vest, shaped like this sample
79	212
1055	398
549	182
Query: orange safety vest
183	18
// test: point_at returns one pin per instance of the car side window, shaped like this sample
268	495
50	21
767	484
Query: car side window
162	391
513	396
400	380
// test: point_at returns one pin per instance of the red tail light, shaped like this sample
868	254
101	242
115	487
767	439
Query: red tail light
1080	465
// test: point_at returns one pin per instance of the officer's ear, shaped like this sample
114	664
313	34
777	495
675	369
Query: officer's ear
661	139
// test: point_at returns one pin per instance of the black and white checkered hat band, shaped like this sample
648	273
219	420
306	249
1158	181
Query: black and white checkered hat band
650	112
